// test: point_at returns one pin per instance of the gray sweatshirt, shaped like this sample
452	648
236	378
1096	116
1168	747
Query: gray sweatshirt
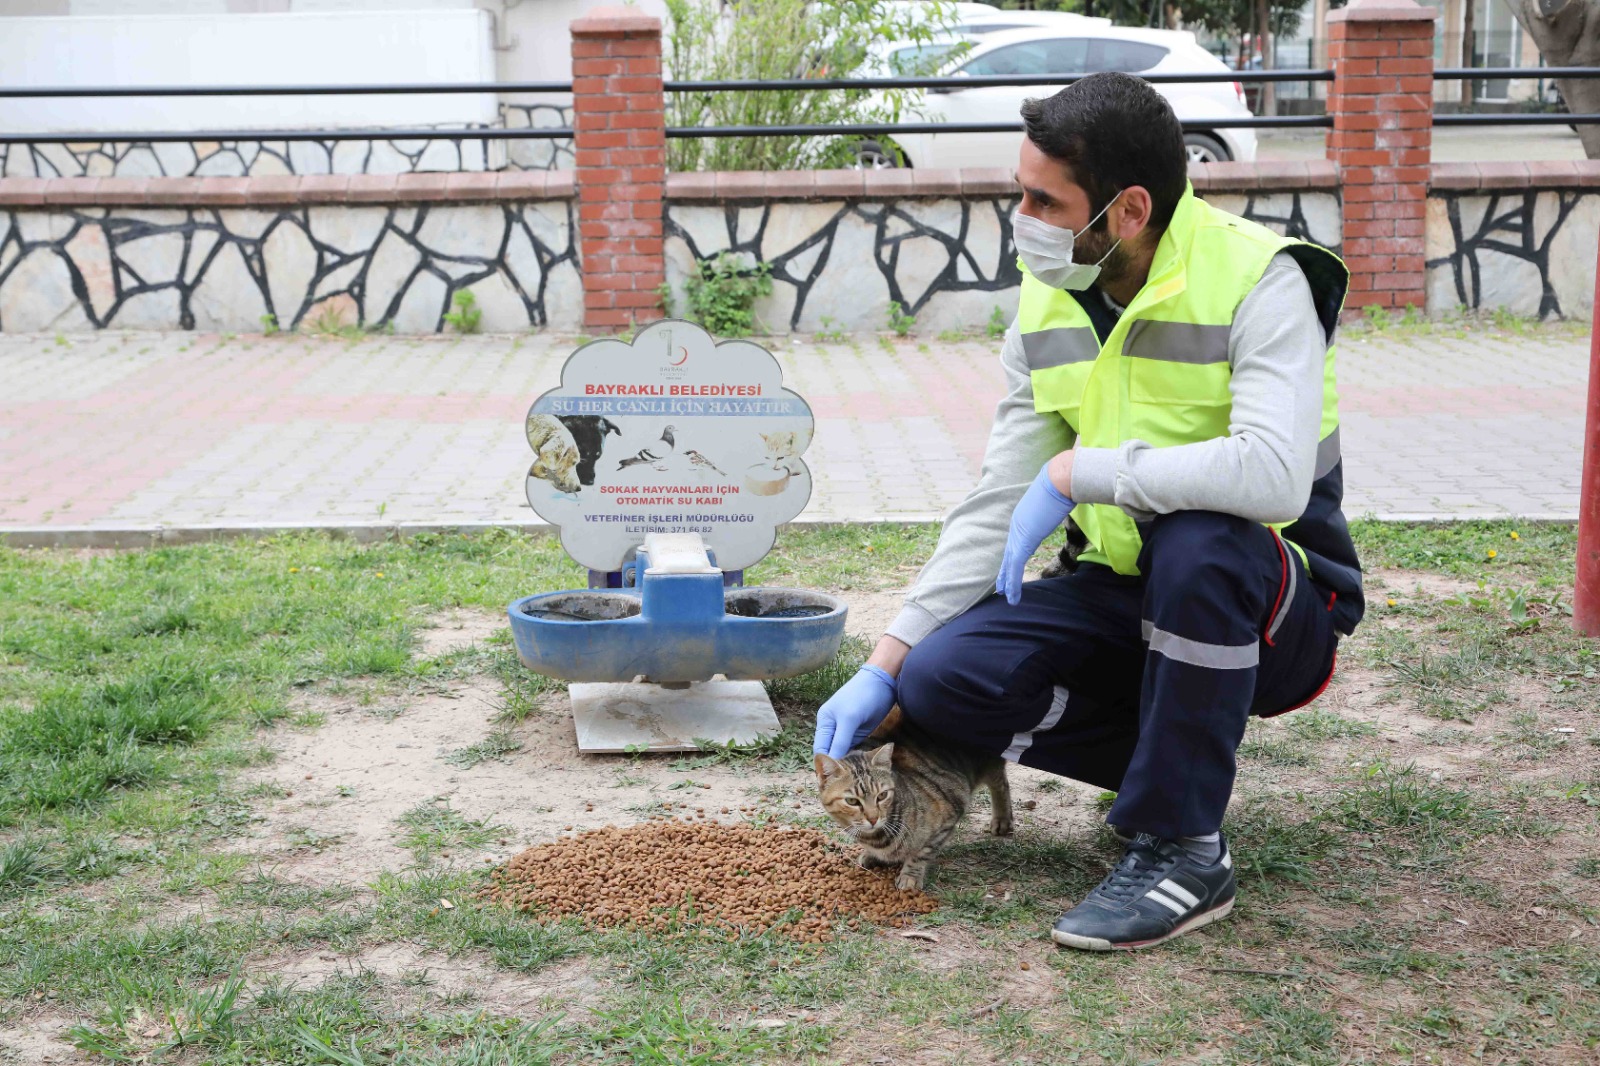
1262	470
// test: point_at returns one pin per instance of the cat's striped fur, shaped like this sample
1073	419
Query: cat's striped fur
902	800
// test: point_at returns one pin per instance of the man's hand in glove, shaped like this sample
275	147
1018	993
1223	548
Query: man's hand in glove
853	712
1039	513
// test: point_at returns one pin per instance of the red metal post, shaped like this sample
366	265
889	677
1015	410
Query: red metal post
1586	597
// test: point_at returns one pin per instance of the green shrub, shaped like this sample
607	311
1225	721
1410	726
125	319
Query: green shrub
722	293
900	318
468	316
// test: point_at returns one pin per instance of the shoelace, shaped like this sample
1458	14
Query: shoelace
1139	866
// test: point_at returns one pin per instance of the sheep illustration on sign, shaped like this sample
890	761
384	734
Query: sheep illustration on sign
671	433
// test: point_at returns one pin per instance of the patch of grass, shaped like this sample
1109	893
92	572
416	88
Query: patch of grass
1316	724
1542	551
1273	843
432	826
653	1029
843	558
1446	683
24	864
496	745
1274	750
812	690
1290	1027
1400	809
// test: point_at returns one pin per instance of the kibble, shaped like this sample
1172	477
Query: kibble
672	876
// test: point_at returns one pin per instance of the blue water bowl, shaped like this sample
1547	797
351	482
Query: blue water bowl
677	628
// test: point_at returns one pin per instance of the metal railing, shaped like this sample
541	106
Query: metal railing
1525	118
930	83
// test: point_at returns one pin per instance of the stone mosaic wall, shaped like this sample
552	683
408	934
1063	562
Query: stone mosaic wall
224	269
837	265
233	159
1529	251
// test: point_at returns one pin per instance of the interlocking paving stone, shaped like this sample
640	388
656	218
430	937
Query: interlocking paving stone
130	431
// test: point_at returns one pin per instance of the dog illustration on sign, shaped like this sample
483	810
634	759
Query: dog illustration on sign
589	432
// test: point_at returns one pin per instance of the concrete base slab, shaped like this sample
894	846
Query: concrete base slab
617	717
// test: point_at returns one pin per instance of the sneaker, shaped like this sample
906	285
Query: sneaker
1155	893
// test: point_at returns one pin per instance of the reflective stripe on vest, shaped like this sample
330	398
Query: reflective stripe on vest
1163	374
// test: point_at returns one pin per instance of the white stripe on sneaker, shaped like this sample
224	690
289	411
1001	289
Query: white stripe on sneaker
1021	742
1178	892
1227	861
1171	904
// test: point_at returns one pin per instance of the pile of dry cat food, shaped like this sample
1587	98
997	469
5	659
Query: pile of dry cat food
669	875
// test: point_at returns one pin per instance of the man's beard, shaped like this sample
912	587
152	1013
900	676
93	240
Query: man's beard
1092	246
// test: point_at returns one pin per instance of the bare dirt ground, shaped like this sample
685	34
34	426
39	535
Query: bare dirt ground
345	784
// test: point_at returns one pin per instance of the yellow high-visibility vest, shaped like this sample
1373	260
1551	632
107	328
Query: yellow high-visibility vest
1162	374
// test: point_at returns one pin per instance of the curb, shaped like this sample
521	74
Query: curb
366	533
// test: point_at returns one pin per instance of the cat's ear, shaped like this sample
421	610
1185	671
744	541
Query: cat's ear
825	766
883	758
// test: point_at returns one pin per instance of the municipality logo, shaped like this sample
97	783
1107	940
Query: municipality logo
674	357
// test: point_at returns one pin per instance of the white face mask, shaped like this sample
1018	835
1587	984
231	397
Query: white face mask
1046	251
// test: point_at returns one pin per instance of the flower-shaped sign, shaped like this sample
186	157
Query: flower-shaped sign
673	433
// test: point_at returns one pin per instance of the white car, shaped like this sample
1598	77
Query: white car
1053	44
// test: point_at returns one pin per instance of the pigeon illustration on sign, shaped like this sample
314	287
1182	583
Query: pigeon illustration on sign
672	432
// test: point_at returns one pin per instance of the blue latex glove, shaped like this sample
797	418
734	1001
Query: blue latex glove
1039	513
854	711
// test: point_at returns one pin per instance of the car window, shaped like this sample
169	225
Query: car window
920	58
1130	57
1058	55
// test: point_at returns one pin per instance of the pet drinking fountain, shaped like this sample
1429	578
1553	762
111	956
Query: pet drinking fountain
667	649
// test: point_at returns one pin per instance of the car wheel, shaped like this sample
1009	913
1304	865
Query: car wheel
876	155
1204	148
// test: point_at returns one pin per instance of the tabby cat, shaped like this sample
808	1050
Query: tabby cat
902	800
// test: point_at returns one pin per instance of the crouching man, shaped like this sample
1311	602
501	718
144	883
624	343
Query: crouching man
1170	386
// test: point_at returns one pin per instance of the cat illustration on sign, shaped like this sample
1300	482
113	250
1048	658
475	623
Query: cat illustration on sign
783	446
775	470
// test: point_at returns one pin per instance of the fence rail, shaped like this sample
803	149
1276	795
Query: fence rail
1493	73
476	133
870	128
496	133
353	89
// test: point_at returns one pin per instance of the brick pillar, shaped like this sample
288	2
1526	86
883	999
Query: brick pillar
619	134
1381	101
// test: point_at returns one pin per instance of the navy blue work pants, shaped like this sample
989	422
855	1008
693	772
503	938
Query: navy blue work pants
1141	685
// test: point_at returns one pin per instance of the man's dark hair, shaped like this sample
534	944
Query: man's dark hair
1113	130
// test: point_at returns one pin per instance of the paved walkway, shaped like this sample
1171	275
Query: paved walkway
139	431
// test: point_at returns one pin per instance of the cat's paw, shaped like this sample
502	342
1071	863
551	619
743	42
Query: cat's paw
1002	826
868	861
908	882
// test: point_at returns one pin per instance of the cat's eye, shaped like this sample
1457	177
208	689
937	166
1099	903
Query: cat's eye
852	801
883	795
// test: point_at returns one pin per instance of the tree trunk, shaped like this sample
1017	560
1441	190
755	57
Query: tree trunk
1269	94
1568	35
1469	18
